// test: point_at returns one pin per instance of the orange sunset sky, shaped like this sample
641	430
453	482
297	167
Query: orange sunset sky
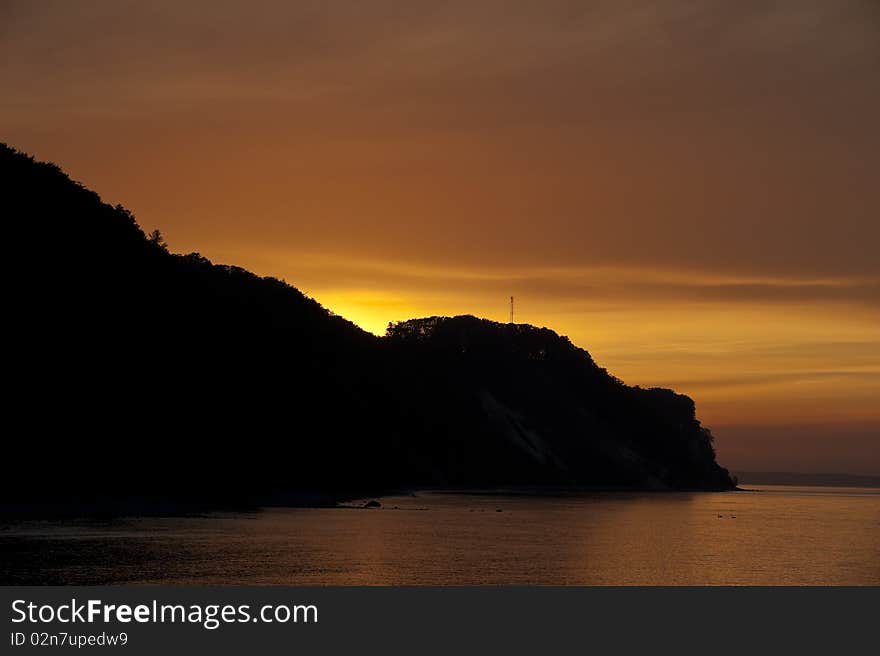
689	190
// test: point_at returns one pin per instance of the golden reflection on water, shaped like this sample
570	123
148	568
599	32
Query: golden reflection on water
779	535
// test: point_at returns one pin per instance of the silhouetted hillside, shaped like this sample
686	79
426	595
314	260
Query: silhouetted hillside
530	394
141	375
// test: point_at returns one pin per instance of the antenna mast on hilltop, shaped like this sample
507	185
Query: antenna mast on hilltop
511	309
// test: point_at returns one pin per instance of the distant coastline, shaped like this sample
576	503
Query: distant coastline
799	478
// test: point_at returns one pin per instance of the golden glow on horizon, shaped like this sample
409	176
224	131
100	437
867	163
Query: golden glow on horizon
745	360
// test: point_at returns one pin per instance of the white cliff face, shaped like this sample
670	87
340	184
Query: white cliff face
514	430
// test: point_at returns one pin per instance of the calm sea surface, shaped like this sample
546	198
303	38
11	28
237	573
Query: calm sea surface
776	535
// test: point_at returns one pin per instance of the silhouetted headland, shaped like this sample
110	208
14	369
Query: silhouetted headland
145	379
